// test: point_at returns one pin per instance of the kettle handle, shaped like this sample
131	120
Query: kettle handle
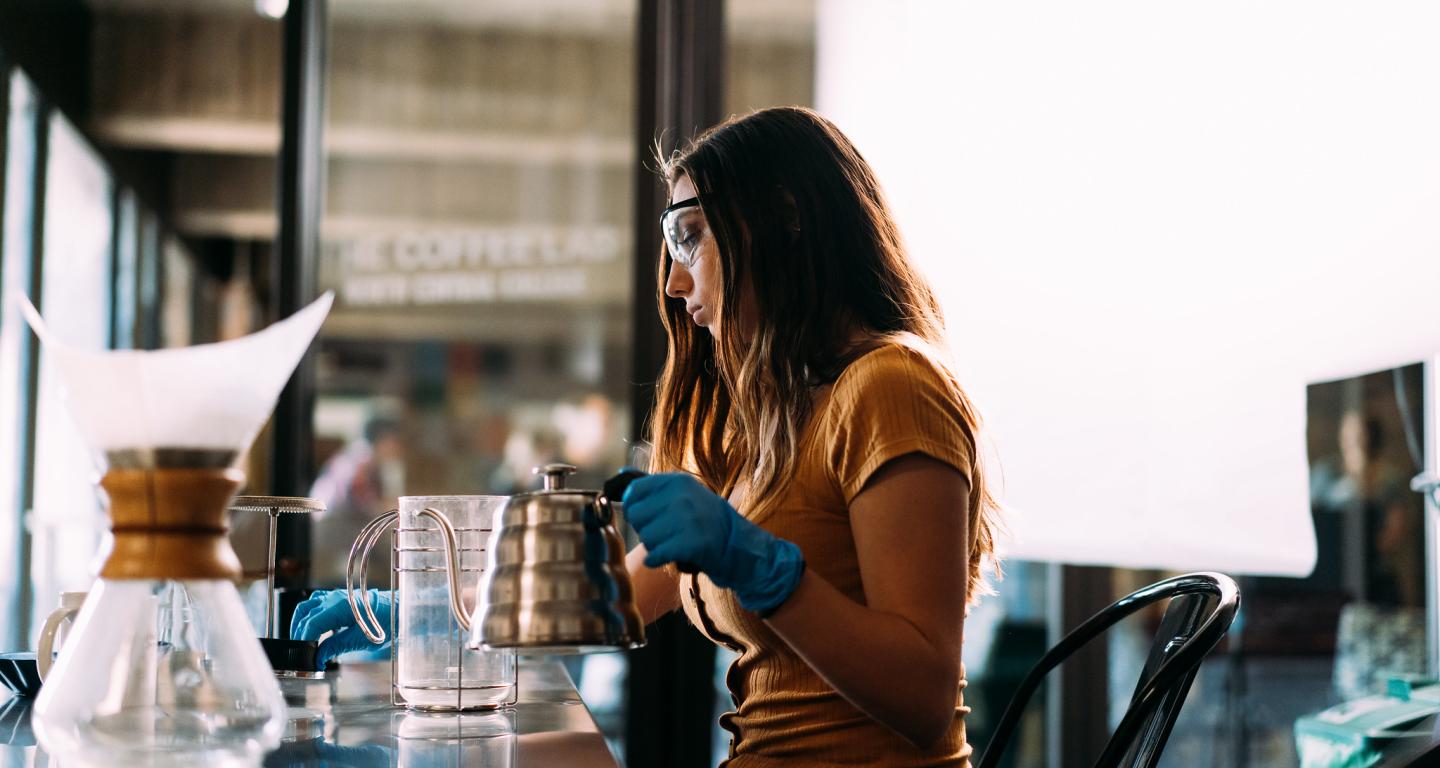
614	488
360	553
452	565
615	491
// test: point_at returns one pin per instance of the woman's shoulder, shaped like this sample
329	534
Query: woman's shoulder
898	398
903	361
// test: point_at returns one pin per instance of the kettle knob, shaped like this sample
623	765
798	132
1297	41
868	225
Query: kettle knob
554	475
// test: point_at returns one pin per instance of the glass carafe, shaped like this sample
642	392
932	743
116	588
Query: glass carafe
162	668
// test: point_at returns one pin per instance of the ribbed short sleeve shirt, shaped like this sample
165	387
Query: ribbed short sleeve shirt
892	401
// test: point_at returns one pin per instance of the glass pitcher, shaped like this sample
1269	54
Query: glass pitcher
439	554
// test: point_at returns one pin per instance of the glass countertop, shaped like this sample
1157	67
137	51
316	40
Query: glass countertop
347	719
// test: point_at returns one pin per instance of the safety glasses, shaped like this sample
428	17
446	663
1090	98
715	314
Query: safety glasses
683	227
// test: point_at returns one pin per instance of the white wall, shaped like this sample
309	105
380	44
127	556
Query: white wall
1152	224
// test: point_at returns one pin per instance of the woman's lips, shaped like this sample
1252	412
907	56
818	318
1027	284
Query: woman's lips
695	313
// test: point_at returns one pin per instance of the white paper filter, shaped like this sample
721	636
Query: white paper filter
209	396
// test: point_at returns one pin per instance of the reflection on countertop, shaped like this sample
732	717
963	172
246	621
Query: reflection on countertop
15	731
347	720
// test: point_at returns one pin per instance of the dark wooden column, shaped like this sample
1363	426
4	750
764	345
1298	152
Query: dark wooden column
301	200
680	69
678	94
1077	710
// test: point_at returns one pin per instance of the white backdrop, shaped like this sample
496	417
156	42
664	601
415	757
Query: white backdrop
1152	223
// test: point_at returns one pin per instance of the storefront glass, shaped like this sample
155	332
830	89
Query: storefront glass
67	521
477	234
14	271
1303	645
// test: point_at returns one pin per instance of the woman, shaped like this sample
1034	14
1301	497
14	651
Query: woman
824	514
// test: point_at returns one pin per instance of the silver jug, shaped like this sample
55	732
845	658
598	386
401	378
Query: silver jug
556	580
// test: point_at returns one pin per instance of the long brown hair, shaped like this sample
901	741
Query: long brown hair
797	214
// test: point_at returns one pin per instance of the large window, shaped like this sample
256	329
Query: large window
19	207
67	520
1338	635
477	235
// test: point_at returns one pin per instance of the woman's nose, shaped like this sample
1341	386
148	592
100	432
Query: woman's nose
678	284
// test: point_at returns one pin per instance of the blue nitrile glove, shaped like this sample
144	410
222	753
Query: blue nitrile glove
328	610
682	521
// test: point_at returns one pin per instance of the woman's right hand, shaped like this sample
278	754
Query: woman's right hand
328	610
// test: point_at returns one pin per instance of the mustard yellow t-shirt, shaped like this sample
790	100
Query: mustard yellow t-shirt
890	402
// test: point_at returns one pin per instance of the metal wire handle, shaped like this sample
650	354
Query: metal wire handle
360	551
452	566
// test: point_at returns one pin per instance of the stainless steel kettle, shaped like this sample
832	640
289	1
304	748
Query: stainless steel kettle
556	581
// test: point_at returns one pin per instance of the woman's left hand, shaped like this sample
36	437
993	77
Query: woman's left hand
682	521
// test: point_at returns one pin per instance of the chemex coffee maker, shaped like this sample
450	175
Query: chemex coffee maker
162	666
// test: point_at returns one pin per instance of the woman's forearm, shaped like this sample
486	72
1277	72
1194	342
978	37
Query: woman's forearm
657	591
879	661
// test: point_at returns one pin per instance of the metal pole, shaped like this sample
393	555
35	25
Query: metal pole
300	197
1430	410
270	576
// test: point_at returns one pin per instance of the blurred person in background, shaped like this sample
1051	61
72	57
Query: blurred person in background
1362	479
526	449
357	485
589	438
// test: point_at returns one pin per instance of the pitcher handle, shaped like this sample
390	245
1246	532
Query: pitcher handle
44	656
360	553
452	565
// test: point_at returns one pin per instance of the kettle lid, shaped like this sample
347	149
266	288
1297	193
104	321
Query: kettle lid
554	475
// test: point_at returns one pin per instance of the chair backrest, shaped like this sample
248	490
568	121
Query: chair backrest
1202	607
1183	617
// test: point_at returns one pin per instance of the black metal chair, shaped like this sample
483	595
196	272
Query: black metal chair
1202	607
